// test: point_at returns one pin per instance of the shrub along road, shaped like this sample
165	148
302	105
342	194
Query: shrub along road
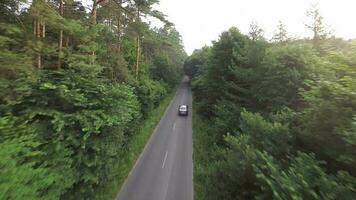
165	168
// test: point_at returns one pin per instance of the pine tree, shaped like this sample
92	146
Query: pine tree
255	32
281	35
316	25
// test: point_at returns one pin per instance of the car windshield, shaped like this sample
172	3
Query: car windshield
183	107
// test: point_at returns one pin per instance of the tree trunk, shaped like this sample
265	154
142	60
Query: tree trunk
60	42
34	26
43	35
93	12
119	33
93	19
66	41
119	26
137	47
137	56
37	33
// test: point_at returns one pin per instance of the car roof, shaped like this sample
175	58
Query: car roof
182	106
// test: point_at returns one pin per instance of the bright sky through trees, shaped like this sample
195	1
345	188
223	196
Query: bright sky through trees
200	21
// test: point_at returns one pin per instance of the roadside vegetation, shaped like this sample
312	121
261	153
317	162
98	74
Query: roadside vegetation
80	92
204	147
275	119
135	146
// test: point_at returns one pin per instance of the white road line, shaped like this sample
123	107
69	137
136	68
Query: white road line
164	160
174	125
183	101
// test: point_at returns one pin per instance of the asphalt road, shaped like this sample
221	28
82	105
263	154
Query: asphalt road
164	170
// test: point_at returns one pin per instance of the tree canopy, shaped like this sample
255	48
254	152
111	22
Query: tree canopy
278	118
74	87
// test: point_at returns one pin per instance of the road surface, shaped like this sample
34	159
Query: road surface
164	170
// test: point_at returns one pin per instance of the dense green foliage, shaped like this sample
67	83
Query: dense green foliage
277	120
69	112
135	147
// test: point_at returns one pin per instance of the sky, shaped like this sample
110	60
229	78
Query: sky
202	21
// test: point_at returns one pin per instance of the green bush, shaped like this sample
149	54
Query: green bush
258	163
77	125
150	93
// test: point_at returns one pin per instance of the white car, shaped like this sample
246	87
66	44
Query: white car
183	110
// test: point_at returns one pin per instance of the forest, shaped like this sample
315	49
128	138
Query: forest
275	119
84	83
76	85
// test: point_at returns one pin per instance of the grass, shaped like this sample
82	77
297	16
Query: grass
136	145
204	151
200	148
